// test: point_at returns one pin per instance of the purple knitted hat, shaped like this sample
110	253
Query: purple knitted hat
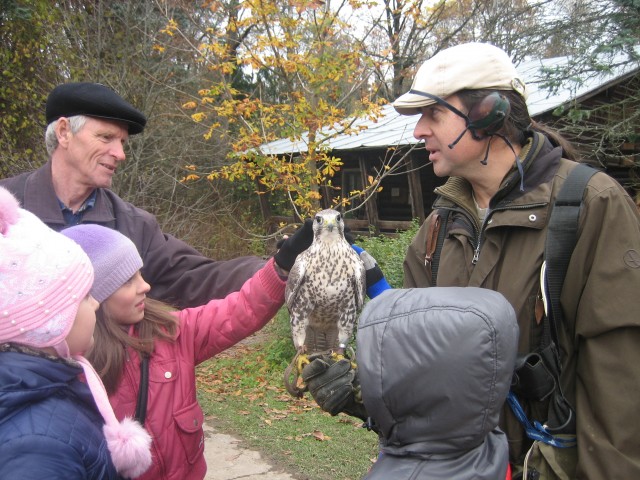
43	278
114	257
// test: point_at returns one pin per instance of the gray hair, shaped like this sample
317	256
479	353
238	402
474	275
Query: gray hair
51	139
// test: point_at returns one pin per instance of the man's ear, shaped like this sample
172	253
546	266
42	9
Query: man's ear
63	131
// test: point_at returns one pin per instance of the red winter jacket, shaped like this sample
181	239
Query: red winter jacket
174	417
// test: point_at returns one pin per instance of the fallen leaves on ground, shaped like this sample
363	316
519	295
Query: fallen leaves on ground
228	380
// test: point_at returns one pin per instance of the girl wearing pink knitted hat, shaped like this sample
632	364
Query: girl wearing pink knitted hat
54	424
146	353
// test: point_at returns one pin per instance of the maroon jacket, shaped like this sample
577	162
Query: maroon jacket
178	274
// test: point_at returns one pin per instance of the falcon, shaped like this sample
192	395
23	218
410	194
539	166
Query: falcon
325	292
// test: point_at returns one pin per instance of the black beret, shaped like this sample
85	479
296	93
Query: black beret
93	100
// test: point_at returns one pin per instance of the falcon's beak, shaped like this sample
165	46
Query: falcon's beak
331	224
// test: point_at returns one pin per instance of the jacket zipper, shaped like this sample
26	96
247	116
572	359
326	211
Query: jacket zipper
476	252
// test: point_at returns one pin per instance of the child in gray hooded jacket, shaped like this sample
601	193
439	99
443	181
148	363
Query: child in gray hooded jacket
435	366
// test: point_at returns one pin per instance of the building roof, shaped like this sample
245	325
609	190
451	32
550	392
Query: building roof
393	129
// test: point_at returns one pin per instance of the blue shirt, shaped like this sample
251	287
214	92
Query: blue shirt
72	219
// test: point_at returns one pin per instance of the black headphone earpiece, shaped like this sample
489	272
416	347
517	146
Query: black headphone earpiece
489	114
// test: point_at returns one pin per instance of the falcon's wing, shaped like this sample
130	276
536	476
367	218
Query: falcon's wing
297	276
360	281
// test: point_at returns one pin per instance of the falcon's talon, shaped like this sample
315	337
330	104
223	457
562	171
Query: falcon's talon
302	361
292	380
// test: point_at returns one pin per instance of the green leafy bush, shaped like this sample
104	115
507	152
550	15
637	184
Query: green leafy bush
389	252
279	351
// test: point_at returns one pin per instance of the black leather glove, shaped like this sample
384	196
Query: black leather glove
295	245
373	271
334	386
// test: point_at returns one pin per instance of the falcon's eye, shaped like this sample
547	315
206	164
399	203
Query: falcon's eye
338	217
318	219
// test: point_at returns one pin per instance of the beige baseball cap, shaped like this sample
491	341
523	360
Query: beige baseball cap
469	66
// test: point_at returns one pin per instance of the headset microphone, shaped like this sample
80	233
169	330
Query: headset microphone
455	142
488	116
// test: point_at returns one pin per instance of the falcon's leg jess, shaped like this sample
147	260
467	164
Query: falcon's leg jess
345	331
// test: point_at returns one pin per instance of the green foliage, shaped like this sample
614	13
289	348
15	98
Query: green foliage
389	252
280	350
28	67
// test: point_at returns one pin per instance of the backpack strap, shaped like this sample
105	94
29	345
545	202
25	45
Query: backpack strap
435	239
561	238
560	243
143	393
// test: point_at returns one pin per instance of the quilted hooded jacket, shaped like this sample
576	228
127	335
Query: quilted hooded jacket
49	424
435	366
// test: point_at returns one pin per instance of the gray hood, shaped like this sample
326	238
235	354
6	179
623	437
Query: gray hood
435	366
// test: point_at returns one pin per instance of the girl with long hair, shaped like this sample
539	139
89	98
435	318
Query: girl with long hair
146	352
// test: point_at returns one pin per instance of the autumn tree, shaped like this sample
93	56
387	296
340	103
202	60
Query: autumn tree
306	71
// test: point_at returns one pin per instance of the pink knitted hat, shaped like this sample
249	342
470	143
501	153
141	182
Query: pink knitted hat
43	278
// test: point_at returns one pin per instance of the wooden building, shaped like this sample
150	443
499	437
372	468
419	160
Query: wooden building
608	98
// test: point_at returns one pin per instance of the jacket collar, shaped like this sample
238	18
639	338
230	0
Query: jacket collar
540	160
41	199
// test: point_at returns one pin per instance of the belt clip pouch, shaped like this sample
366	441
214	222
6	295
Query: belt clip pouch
532	379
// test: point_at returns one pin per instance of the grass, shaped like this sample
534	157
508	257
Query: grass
246	397
243	391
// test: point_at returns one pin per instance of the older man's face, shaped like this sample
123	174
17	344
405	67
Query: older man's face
96	151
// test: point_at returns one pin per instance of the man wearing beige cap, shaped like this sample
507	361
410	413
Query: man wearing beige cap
505	171
488	229
88	125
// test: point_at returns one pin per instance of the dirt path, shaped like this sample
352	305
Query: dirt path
228	459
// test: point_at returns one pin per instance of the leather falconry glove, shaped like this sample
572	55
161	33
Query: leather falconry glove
334	385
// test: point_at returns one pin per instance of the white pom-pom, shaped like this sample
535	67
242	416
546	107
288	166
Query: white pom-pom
9	213
130	447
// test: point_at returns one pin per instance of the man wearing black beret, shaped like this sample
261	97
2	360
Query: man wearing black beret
88	124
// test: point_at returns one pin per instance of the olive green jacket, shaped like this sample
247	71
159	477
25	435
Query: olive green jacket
600	340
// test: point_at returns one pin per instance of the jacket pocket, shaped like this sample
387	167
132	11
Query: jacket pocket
189	427
163	371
